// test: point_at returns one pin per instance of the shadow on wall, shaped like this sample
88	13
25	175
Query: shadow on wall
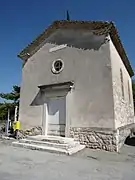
38	100
130	141
43	96
78	39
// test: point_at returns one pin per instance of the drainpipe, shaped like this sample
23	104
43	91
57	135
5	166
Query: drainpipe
15	118
7	124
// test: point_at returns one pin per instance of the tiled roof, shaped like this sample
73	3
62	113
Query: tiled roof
99	27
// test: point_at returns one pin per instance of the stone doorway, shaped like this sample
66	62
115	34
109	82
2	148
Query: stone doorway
56	116
53	96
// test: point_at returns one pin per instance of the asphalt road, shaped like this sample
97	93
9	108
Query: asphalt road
23	164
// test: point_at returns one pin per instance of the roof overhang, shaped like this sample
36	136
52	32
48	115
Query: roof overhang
56	86
99	27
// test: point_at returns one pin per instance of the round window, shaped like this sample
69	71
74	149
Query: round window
57	66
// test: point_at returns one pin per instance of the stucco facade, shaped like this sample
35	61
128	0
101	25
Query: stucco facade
94	108
123	106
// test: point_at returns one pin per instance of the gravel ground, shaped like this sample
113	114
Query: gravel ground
23	164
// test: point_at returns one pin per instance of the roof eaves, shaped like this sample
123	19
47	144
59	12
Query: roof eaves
102	27
119	46
35	42
56	25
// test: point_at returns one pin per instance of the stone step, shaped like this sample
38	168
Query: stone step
51	144
68	151
52	139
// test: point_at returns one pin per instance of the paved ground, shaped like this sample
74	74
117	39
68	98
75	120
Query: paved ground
23	164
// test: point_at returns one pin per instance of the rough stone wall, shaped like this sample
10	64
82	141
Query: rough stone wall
94	138
123	106
123	133
30	132
124	112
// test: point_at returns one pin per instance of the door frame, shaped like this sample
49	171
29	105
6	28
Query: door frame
45	117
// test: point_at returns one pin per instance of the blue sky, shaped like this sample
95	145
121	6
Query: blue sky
22	21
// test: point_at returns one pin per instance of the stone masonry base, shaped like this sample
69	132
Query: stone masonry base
96	138
123	133
30	132
101	138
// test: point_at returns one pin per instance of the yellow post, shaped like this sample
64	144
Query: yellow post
17	125
17	128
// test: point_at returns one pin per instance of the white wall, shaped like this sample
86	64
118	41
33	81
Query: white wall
90	104
123	109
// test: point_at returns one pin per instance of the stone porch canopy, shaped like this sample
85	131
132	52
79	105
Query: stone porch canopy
57	86
97	27
52	90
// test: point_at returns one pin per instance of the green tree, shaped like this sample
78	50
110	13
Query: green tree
10	101
3	111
